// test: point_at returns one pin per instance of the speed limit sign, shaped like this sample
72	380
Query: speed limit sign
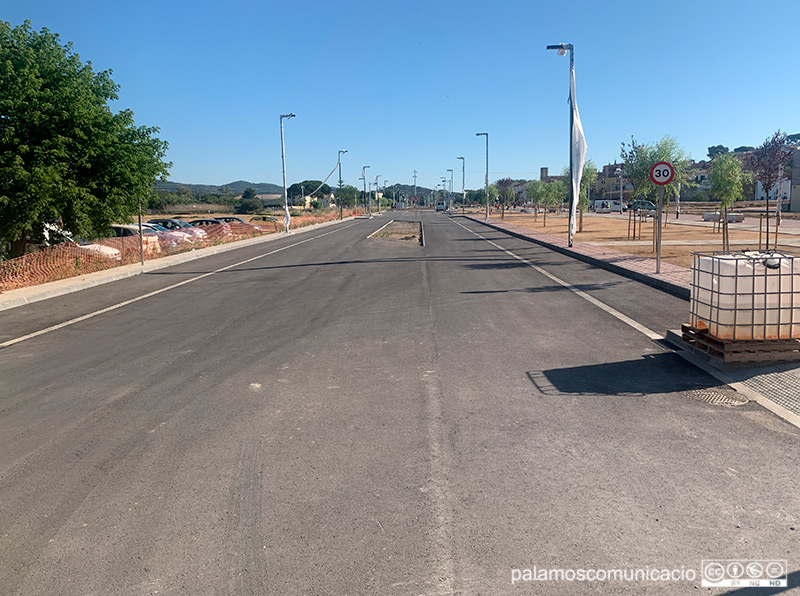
662	173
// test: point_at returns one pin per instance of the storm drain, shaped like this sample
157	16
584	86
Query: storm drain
717	396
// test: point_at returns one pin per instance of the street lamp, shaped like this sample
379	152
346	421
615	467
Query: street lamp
287	219
486	182
341	202
619	175
562	49
376	194
463	191
364	177
451	190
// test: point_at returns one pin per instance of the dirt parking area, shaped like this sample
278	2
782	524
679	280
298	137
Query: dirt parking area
679	240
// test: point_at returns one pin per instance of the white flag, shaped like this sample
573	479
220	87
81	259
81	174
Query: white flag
578	151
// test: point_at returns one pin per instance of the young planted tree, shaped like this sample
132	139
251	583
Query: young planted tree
505	193
64	155
766	162
588	179
640	158
727	180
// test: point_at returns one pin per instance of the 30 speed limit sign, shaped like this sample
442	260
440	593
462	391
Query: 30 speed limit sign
662	173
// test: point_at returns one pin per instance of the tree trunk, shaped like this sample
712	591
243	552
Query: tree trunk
18	247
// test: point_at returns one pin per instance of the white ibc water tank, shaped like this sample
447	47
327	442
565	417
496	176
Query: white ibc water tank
746	295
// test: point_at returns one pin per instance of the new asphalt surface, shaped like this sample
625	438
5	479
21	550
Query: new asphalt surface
331	414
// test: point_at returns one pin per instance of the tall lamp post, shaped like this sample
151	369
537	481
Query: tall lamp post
341	199
376	194
486	181
287	219
562	49
463	190
451	189
364	176
619	175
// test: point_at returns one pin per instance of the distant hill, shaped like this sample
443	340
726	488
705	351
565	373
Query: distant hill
237	188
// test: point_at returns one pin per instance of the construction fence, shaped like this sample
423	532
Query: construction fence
70	259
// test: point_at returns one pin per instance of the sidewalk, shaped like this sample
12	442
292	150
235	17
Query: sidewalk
775	387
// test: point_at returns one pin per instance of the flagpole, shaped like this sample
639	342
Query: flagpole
571	147
287	218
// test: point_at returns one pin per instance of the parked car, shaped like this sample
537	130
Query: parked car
150	238
265	219
643	205
209	223
239	225
180	225
101	250
169	237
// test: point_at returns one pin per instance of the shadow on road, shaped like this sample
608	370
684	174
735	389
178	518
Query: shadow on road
653	373
551	288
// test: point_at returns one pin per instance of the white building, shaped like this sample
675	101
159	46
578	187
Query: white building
782	189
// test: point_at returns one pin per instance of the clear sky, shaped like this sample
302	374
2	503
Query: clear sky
405	85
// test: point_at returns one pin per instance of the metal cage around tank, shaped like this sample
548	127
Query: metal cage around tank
746	295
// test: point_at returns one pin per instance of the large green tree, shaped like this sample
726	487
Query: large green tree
64	155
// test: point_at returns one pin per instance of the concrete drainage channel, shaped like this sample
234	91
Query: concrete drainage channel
406	232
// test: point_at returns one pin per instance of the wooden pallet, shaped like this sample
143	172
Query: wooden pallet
741	350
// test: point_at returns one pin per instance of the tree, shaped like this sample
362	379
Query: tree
350	194
640	158
793	139
506	192
716	149
248	193
727	180
767	162
64	155
309	187
536	192
588	178
743	149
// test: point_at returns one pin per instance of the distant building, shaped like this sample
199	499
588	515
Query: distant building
782	189
544	176
608	182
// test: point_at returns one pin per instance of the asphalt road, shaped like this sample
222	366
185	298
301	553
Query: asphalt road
331	414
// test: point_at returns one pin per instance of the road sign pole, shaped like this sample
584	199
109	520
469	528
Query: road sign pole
661	174
658	231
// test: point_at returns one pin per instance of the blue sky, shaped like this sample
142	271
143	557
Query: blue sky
405	86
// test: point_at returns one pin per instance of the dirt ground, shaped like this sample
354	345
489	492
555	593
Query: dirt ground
679	241
400	231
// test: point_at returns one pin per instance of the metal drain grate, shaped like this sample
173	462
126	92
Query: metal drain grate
717	397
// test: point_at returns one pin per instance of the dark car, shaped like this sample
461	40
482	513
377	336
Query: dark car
642	205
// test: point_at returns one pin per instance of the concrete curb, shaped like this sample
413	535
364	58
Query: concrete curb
660	284
23	296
